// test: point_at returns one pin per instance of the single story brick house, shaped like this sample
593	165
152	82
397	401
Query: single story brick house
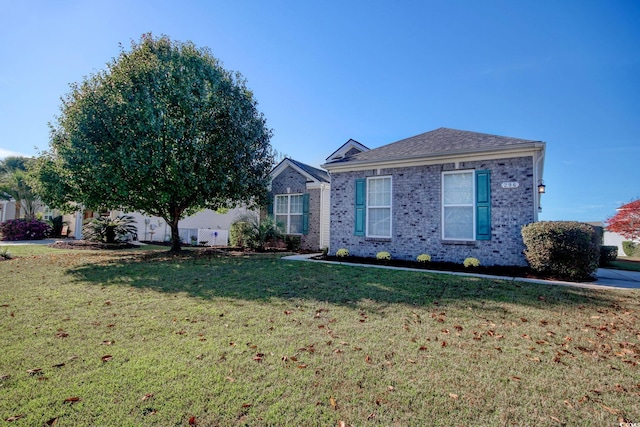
448	193
299	201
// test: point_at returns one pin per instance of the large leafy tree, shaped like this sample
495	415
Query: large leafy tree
164	130
627	221
15	185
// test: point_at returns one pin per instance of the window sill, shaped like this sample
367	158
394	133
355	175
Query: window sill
377	239
459	242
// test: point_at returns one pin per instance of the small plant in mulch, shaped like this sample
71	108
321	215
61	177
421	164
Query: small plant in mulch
423	258
471	262
342	253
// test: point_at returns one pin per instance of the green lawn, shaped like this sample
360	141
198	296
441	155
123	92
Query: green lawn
626	263
142	338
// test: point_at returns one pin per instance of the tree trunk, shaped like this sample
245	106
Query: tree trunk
110	234
175	236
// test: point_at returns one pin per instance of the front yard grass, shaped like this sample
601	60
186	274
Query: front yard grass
626	263
145	338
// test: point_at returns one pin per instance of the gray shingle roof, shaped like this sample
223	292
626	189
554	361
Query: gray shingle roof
438	142
318	174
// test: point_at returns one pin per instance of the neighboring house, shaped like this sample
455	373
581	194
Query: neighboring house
205	226
448	193
299	201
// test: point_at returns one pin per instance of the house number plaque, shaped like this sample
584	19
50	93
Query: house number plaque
510	184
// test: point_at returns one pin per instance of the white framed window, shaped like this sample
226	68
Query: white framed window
458	205
379	207
289	212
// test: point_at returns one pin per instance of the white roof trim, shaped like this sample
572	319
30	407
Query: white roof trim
340	152
284	164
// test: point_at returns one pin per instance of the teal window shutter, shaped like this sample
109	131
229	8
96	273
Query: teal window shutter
270	208
483	205
305	213
360	206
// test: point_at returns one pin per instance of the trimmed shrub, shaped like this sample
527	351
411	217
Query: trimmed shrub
342	253
384	256
563	249
424	258
23	229
471	262
608	254
631	249
293	242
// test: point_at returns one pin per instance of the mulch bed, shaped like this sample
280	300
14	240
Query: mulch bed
493	270
83	244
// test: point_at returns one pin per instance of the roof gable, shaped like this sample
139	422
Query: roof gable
309	172
348	149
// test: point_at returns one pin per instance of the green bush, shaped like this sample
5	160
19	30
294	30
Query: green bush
256	233
109	230
239	234
631	249
562	249
56	224
608	254
293	242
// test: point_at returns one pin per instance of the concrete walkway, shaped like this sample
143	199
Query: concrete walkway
606	278
30	242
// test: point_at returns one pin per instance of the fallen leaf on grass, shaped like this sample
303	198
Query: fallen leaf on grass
557	420
14	418
106	358
247	405
71	400
453	395
514	378
106	342
147	396
34	371
62	334
342	424
333	403
302	366
368	359
4	377
51	422
58	365
610	410
192	421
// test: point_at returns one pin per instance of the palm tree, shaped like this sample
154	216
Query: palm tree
14	185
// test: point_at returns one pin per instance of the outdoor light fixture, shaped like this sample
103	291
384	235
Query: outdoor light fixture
541	187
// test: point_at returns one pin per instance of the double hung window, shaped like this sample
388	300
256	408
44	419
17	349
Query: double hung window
373	207
466	213
289	212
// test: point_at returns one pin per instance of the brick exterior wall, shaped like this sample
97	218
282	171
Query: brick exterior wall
417	213
297	184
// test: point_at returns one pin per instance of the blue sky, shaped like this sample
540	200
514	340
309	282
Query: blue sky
564	72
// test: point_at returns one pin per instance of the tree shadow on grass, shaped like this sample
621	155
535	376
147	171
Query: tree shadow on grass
267	277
